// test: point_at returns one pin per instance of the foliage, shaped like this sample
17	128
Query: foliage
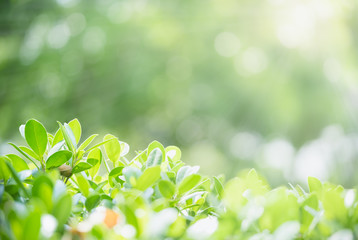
61	188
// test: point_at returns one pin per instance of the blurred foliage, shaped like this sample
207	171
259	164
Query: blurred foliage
55	189
189	73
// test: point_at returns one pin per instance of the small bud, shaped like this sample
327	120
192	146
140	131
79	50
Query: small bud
65	170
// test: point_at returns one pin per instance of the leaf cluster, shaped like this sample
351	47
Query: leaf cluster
59	187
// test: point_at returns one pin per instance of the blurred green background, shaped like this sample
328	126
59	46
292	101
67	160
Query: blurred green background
234	83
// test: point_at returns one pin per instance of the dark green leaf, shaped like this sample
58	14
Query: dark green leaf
58	158
92	201
81	166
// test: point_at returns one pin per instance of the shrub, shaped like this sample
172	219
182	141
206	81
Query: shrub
57	188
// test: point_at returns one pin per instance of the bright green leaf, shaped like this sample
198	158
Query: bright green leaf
112	147
36	136
155	158
189	183
94	158
83	184
76	129
148	178
166	188
87	142
62	209
18	163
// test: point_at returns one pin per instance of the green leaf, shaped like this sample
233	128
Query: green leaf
166	188
22	130
112	147
148	178
219	189
94	158
66	137
155	144
154	158
173	153
306	217
24	154
314	184
83	184
189	183
99	144
58	137
76	129
29	152
36	136
87	142
4	170
58	158
81	166
18	163
31	227
183	172
17	179
42	188
113	175
92	202
62	209
70	134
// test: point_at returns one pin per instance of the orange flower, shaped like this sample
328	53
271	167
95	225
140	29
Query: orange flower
111	218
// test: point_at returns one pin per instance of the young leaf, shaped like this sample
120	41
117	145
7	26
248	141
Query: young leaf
113	175
22	130
314	184
18	163
219	189
76	129
58	137
62	209
29	152
24	154
17	179
31	227
87	142
166	188
81	166
153	145
4	170
70	134
58	158
67	138
94	158
154	158
83	184
173	153
113	148
99	144
189	183
36	136
92	202
148	178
